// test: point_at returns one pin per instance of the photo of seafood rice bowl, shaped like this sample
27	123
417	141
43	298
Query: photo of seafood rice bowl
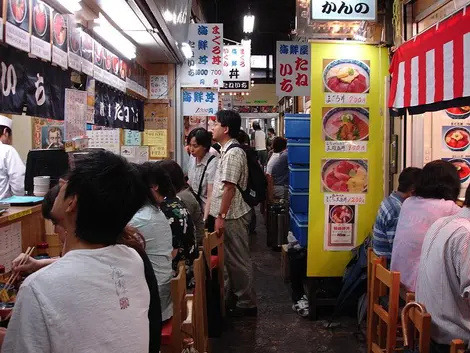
344	175
346	124
347	76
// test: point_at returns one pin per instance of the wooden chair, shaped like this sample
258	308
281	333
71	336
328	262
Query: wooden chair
371	259
457	346
210	242
172	330
201	337
416	323
383	324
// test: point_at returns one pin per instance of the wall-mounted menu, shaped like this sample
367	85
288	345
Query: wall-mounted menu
41	30
59	39
17	29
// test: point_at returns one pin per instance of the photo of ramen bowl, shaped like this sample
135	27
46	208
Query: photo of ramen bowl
40	18
457	138
19	10
458	113
346	124
341	214
463	168
59	26
347	76
344	175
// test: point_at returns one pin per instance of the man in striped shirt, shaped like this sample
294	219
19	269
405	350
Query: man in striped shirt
387	217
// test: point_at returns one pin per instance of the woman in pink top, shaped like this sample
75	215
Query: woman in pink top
435	198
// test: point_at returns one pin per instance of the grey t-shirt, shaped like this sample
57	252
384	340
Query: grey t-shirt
195	211
280	170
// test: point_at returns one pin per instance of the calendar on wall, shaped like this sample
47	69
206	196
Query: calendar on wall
108	139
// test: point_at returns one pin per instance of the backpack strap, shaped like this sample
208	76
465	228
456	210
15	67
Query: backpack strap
233	145
199	189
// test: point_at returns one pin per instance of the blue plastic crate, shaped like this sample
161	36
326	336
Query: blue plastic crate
298	177
298	201
298	151
297	126
299	227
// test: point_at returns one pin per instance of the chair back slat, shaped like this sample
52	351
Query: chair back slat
457	346
416	322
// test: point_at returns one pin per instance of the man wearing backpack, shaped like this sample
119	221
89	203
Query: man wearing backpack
232	212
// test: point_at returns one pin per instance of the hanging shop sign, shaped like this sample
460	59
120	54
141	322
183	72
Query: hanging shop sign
59	39
237	68
433	67
348	10
18	24
117	110
292	69
205	67
41	30
340	227
200	102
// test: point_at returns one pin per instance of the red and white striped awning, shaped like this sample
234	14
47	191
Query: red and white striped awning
433	67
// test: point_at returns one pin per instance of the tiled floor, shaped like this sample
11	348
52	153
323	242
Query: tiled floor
277	328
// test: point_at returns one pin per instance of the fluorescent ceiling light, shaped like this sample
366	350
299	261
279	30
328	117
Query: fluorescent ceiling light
248	23
104	29
187	51
246	42
123	16
70	5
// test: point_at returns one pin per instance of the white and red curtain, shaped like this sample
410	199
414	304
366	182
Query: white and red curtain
433	67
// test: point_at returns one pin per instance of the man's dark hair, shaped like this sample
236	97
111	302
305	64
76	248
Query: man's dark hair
256	125
279	144
408	179
154	175
271	130
4	129
175	172
230	119
243	138
439	180
109	192
202	136
48	202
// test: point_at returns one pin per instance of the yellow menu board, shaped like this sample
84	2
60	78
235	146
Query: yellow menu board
157	140
348	84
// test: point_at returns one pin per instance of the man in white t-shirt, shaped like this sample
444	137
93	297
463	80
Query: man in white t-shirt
94	299
258	141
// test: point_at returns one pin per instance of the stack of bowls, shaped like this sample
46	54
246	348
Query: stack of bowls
41	185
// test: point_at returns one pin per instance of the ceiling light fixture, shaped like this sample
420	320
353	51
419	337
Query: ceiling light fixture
246	42
70	5
106	31
248	23
186	49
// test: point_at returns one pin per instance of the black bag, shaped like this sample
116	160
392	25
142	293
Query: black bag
257	184
199	189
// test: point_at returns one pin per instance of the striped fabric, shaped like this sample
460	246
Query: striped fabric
433	67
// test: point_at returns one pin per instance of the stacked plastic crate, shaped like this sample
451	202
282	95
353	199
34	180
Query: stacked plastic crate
297	131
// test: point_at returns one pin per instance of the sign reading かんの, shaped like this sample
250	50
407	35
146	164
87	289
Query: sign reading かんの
349	10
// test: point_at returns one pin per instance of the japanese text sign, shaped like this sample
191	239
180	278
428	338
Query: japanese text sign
204	68
292	69
200	102
349	10
237	67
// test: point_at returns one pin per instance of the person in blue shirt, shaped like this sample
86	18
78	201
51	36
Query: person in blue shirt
387	216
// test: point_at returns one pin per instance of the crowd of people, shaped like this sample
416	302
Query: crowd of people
125	228
425	236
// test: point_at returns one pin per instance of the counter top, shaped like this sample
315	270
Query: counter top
15	212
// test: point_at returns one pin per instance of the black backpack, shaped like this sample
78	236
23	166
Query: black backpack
257	184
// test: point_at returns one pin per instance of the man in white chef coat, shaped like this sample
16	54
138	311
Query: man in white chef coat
12	168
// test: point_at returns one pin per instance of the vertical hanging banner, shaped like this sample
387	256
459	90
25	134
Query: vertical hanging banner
87	54
75	45
205	67
237	68
200	102
41	30
292	69
12	70
59	39
17	29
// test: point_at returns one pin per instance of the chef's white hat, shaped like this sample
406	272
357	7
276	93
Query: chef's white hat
5	121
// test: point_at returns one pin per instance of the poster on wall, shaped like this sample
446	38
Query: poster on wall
292	69
193	122
75	113
132	138
340	227
345	175
158	87
74	45
346	81
345	129
41	30
47	133
237	68
87	53
205	67
135	154
17	29
59	39
456	139
200	102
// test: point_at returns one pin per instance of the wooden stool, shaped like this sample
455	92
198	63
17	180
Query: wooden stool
284	263
210	242
457	346
383	324
416	322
